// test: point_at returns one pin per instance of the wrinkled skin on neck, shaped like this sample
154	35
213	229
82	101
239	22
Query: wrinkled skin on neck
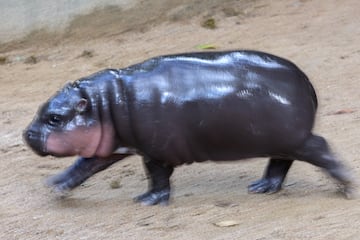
74	122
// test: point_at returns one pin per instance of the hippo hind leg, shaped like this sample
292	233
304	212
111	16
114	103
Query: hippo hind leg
273	178
159	190
316	151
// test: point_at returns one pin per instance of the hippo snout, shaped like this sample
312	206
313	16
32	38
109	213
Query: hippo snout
34	140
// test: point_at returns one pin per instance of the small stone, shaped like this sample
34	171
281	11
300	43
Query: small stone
227	223
31	60
87	54
209	23
115	184
3	60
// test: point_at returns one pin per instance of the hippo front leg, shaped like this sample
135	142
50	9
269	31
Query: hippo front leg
159	190
82	169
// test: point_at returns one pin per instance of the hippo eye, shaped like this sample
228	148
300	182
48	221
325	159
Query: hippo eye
54	120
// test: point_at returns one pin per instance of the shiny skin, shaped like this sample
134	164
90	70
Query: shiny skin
186	108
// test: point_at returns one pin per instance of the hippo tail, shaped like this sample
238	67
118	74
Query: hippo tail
311	89
313	93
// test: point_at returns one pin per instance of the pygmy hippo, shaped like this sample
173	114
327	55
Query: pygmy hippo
185	108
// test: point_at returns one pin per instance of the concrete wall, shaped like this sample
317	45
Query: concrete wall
20	17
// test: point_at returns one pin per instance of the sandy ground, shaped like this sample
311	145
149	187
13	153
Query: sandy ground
322	37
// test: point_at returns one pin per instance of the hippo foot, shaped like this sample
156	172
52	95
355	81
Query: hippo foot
350	190
59	185
265	185
154	197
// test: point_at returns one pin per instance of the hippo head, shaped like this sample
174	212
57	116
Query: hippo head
66	125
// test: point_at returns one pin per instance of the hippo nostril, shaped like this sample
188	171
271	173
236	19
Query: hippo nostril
30	135
34	141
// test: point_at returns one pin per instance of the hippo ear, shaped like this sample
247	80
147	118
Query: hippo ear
81	105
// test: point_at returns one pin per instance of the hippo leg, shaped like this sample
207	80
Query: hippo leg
316	151
159	190
82	169
273	178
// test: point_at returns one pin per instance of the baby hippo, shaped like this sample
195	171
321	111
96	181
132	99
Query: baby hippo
176	109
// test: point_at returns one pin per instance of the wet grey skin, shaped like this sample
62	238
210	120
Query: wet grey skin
185	108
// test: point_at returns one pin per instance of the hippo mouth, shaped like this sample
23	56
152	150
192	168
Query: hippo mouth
81	141
97	140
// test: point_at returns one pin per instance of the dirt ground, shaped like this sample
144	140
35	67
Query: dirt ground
321	37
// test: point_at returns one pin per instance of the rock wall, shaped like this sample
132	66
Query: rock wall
18	18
